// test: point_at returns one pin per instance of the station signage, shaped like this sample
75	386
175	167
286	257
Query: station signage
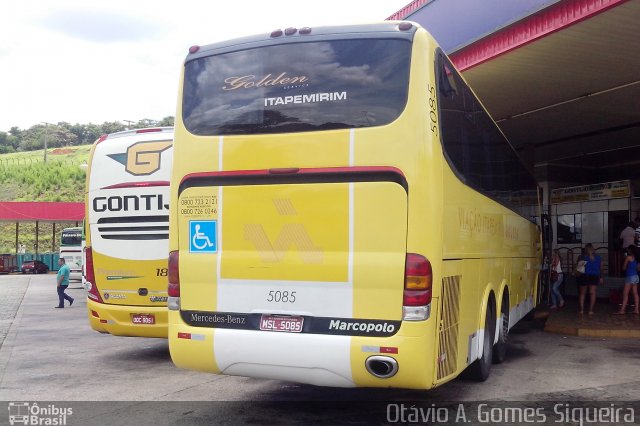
599	191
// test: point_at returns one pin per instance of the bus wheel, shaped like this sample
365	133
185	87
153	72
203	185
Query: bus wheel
500	348
481	368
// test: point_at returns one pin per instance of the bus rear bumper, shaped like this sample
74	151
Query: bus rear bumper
118	320
322	360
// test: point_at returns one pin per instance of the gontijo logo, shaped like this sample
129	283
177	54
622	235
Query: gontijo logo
142	158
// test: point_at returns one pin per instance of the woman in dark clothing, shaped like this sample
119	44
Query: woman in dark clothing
590	279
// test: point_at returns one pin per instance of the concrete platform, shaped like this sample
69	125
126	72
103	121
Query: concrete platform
603	323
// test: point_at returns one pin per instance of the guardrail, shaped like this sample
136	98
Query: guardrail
7	162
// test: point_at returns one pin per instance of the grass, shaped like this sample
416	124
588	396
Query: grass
76	154
25	177
53	181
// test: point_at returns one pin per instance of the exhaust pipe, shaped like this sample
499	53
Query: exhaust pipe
382	367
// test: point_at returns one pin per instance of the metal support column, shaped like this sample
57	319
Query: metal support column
36	245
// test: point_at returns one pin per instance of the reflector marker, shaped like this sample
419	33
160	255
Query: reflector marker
380	349
190	336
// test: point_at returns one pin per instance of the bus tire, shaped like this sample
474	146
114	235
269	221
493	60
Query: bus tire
481	368
500	348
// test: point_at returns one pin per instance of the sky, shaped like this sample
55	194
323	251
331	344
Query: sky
91	61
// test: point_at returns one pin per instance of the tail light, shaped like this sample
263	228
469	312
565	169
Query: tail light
92	288
418	279
174	281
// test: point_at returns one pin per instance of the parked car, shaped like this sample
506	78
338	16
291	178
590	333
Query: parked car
8	263
34	267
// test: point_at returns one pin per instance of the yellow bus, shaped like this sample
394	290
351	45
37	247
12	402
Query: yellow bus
344	212
127	232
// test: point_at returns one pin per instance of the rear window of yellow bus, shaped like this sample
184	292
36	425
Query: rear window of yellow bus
297	87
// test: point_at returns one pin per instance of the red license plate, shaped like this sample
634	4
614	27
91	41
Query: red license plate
281	323
143	319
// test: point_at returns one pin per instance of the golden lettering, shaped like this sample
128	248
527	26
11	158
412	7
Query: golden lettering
475	222
250	81
237	82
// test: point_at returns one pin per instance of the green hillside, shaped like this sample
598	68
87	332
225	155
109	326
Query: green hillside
24	176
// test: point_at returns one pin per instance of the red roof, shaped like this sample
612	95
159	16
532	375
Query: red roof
11	211
407	10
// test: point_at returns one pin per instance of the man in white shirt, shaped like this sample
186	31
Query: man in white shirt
628	236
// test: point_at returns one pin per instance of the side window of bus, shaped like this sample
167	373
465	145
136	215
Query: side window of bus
458	115
475	147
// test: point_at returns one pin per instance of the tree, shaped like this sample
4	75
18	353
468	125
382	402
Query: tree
92	133
14	137
66	134
3	142
32	138
13	141
60	136
8	143
166	122
111	127
145	122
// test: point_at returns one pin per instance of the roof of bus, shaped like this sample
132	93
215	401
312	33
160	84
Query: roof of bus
134	132
279	36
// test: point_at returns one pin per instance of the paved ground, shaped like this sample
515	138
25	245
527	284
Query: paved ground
53	355
11	293
603	323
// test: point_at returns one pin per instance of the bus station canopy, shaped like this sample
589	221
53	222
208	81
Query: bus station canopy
561	78
13	211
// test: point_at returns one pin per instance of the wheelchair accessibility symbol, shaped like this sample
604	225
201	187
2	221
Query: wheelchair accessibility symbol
202	236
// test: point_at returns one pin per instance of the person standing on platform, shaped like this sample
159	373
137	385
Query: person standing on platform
556	280
628	236
630	280
590	279
62	280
